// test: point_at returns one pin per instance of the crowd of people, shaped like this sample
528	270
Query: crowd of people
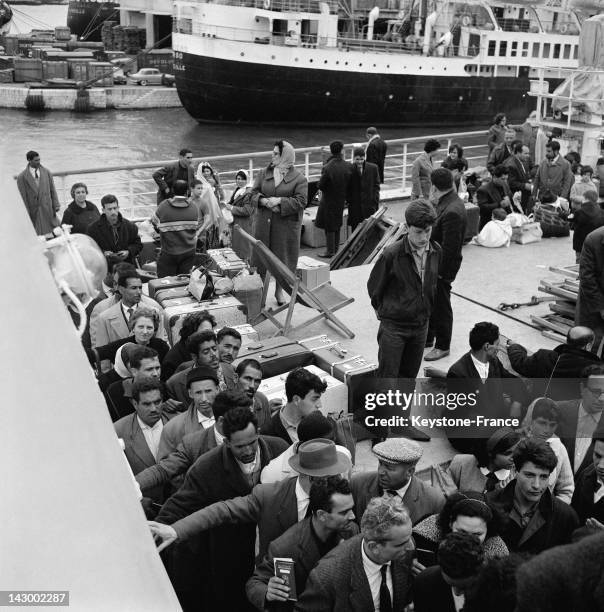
257	505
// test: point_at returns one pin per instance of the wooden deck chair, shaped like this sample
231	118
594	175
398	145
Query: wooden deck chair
325	299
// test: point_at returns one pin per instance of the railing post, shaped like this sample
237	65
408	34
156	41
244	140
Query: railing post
63	190
131	192
251	169
405	166
307	164
449	141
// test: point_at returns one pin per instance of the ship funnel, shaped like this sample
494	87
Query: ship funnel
373	15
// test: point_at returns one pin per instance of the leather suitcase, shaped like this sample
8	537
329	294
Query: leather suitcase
276	355
226	262
334	401
473	216
168	282
165	295
248	290
312	236
183	301
227	310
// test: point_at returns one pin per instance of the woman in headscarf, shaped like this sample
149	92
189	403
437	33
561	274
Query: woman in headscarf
209	201
280	193
243	208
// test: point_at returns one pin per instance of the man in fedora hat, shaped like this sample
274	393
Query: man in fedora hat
395	476
273	507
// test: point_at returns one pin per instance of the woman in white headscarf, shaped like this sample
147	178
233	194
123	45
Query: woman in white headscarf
280	193
210	202
243	208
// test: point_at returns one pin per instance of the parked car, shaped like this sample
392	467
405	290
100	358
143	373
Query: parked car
150	76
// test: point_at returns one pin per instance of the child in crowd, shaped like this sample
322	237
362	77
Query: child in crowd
496	233
579	188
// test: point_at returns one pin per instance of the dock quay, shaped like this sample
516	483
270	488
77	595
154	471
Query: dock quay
99	98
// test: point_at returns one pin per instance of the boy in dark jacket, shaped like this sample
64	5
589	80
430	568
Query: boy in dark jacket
402	286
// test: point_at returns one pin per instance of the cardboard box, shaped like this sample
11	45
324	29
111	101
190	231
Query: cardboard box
312	272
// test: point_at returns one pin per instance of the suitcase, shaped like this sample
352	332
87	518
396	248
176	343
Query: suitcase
168	282
226	262
227	310
339	362
248	290
248	334
473	216
312	236
312	272
276	355
334	401
165	295
183	301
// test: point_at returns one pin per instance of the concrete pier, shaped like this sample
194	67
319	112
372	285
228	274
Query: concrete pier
100	98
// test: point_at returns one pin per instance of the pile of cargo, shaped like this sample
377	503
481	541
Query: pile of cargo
565	291
128	39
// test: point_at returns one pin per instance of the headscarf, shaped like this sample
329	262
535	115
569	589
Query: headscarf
239	191
287	161
123	353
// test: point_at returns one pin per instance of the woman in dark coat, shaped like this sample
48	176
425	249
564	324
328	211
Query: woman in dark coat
456	162
333	184
280	193
241	205
80	213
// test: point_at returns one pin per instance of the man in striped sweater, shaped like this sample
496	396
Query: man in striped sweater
178	223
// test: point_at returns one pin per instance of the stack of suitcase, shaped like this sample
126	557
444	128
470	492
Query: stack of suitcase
226	262
340	363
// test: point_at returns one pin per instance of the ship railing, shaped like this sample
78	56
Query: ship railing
136	190
292	6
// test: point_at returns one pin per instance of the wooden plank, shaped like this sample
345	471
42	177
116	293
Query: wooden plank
556	318
570	271
552	335
563	308
554	289
547	324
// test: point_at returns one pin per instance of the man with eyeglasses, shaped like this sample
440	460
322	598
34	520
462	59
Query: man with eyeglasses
580	418
166	177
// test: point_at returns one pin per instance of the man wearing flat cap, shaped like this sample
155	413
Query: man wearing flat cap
202	387
274	507
395	477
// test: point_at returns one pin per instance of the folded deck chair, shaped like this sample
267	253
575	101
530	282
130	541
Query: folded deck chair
325	299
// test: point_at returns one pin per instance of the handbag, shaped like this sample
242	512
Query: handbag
201	284
553	221
527	233
442	480
222	285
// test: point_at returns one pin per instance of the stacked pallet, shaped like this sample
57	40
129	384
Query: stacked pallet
107	34
565	292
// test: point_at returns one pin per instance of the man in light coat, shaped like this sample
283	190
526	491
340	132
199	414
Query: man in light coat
37	188
554	173
422	169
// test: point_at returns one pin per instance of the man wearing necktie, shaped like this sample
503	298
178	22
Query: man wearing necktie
37	188
369	572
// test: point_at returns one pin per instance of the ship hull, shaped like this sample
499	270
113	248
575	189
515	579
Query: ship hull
87	17
219	90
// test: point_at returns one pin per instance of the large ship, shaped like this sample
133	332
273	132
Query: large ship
324	62
85	17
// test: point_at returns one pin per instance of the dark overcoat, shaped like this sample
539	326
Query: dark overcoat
333	184
363	193
244	212
280	230
40	199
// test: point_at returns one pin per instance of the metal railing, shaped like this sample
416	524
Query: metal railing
136	190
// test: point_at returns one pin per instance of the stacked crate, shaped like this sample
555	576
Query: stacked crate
27	70
55	70
565	290
96	70
107	34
